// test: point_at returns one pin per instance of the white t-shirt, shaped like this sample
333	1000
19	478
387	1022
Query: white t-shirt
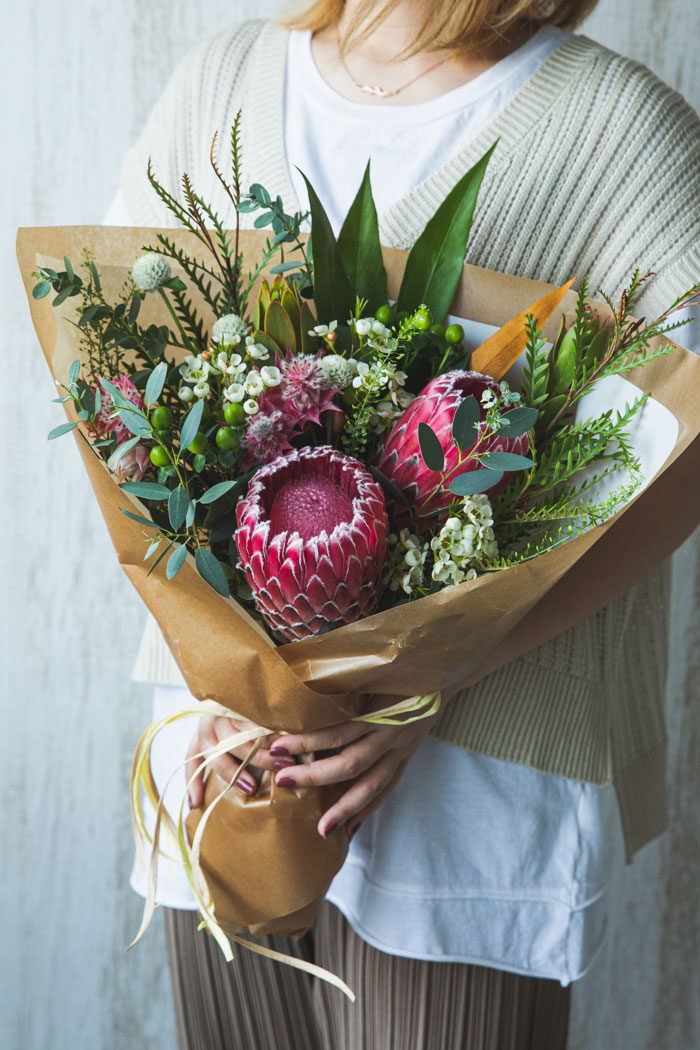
469	859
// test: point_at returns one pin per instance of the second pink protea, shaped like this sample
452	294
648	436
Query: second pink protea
312	540
108	424
400	460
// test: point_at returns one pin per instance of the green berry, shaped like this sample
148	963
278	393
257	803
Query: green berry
385	314
422	319
226	439
454	333
438	330
234	414
159	457
199	443
164	436
161	418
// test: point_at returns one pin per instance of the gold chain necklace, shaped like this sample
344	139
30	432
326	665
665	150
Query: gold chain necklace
380	92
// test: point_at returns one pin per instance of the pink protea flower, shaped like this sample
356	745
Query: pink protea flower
312	540
108	424
133	465
399	458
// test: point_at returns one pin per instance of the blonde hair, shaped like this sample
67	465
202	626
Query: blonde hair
484	28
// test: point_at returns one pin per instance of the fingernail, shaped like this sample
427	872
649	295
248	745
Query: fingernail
189	800
278	749
246	785
330	829
284	763
285	782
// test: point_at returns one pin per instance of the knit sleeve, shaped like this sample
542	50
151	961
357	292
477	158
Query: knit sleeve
177	135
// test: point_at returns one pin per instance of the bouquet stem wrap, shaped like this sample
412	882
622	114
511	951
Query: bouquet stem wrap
442	642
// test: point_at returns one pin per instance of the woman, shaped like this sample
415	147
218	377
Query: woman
473	893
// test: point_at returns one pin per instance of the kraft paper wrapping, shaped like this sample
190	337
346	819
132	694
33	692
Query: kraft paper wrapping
441	642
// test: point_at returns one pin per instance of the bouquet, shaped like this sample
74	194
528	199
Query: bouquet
326	460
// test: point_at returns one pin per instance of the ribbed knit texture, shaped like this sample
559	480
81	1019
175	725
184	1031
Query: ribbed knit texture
597	171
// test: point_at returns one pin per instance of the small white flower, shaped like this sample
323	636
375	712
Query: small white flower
149	272
185	393
201	389
228	330
250	407
230	364
323	329
379	329
254	384
364	325
194	369
271	375
235	392
257	351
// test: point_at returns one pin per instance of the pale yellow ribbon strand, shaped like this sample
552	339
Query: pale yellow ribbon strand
142	774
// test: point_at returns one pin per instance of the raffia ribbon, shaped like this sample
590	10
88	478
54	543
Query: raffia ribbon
142	776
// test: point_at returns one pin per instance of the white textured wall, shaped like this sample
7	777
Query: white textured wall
76	80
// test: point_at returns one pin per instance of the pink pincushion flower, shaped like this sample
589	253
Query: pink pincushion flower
312	540
107	424
399	458
133	465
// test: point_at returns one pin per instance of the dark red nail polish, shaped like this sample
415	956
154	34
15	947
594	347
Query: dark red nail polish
246	786
285	782
284	763
330	829
278	749
189	800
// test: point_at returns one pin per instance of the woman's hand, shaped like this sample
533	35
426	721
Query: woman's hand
372	756
210	731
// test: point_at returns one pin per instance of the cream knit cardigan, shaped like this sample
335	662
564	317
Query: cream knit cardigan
597	171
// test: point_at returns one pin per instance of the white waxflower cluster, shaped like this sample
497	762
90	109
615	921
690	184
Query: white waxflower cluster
385	412
248	388
407	562
372	330
337	372
377	375
150	271
464	544
229	330
323	330
195	371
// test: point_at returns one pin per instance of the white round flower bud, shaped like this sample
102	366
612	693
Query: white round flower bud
271	375
235	392
254	384
201	389
250	407
185	393
149	272
364	325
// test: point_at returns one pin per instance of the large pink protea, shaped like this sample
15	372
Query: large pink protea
399	458
312	540
108	424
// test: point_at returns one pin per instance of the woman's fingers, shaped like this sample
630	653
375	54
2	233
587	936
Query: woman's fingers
354	759
368	792
321	740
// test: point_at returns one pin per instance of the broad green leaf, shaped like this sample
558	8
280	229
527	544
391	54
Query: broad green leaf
113	460
430	448
64	428
175	561
41	290
134	307
285	266
190	424
209	568
465	422
146	490
135	422
332	292
434	264
267	341
216	491
505	461
74	371
95	276
308	321
154	386
552	406
279	327
564	371
178	503
475	481
360	250
69	268
518	421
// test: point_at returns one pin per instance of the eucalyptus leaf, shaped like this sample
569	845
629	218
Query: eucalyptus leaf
190	424
465	422
216	491
360	248
189	517
156	381
332	292
505	461
430	448
210	569
152	549
59	431
41	290
74	372
113	460
118	399
434	264
178	503
175	561
135	422
146	490
518	421
137	517
475	481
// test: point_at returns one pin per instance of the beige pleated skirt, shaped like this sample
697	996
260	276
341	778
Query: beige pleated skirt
402	1004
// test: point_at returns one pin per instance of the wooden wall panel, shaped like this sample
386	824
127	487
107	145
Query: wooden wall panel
77	80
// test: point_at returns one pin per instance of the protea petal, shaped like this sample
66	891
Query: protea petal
312	538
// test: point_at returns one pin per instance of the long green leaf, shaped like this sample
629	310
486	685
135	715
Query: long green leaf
360	250
146	490
175	561
217	491
190	424
210	569
430	448
465	423
332	292
62	428
154	386
178	503
505	461
473	481
435	262
119	451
